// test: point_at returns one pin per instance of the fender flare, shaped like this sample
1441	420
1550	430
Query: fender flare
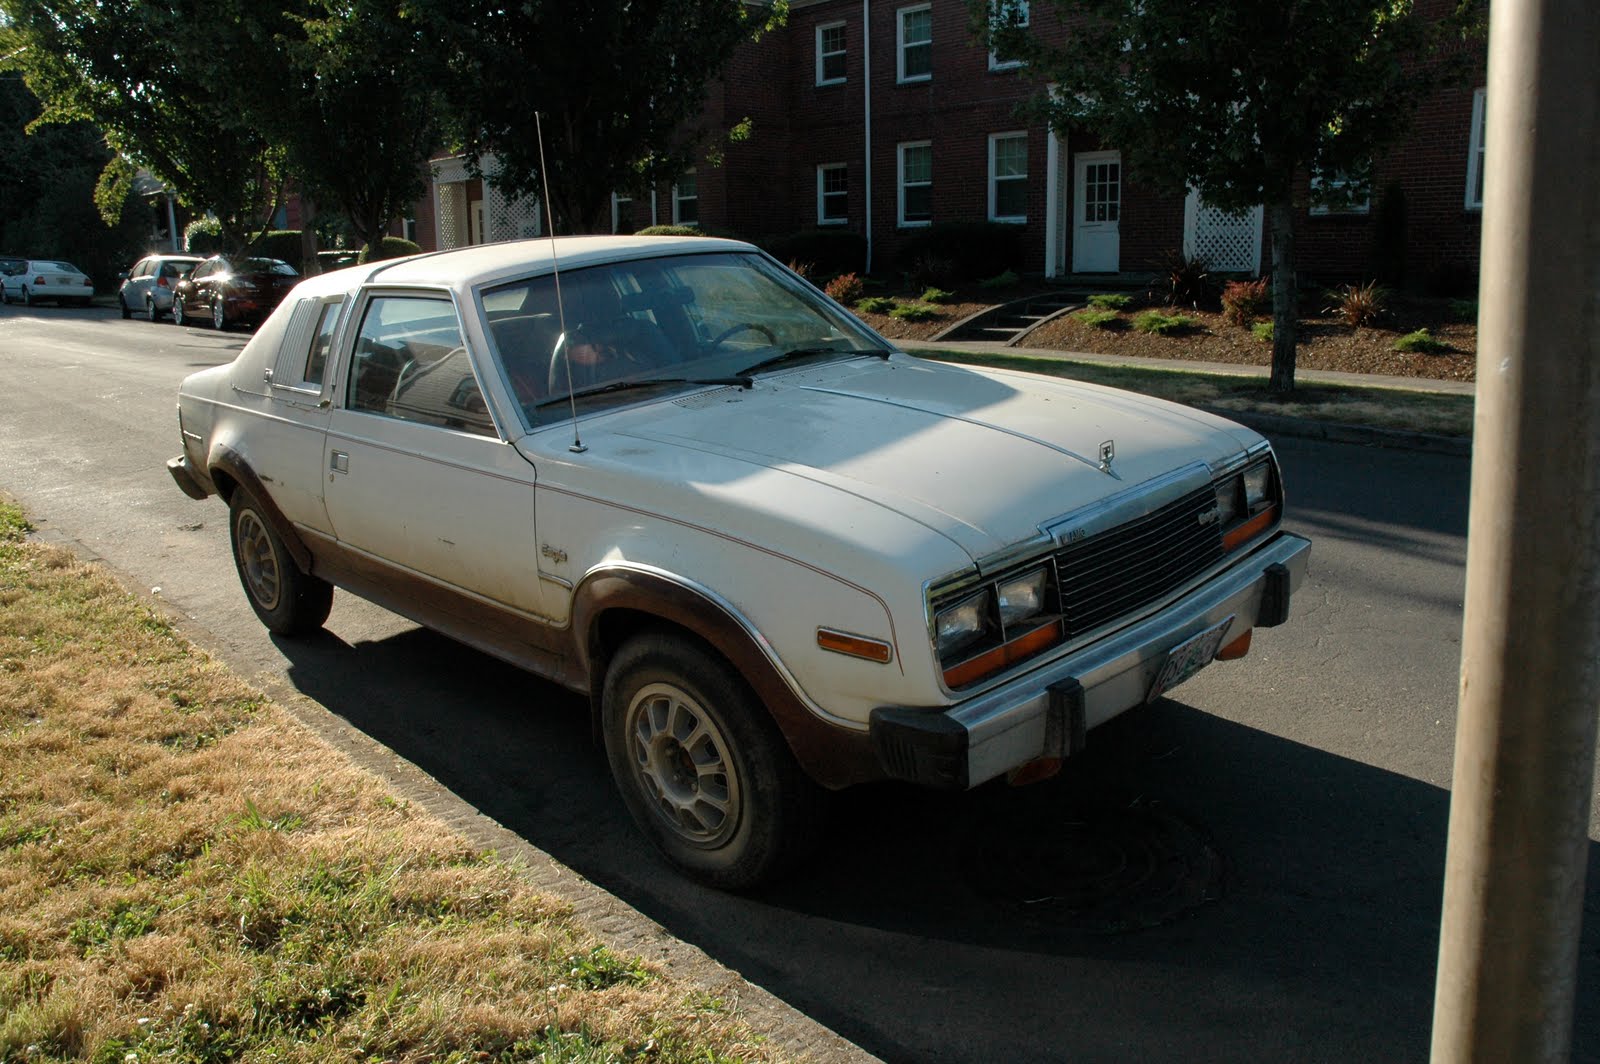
832	755
233	466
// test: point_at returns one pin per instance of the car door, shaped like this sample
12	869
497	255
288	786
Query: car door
417	475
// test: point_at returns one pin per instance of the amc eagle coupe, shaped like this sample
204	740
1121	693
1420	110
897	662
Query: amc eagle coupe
776	554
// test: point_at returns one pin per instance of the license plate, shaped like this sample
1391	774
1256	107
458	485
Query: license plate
1188	658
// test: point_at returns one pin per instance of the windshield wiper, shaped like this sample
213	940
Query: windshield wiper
800	353
645	382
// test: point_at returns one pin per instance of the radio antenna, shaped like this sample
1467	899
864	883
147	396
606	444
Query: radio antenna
555	269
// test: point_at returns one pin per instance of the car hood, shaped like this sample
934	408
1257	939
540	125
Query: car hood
985	458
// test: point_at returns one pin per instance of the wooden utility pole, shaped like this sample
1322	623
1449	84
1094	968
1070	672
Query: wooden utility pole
1530	660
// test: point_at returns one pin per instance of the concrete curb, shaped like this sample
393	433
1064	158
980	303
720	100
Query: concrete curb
1335	432
621	928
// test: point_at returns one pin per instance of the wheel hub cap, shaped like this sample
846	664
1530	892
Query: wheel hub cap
681	759
258	560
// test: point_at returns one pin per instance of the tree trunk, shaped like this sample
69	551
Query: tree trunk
1285	297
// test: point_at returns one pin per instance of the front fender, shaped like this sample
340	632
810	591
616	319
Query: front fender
227	465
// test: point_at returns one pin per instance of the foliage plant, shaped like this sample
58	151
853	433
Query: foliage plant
936	295
1262	330
390	247
1161	324
875	305
1099	319
914	312
203	236
1245	301
846	288
1464	310
1421	342
964	251
830	251
1359	304
1237	99
1111	301
1187	281
1003	279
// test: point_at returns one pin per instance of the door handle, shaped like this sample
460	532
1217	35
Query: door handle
339	462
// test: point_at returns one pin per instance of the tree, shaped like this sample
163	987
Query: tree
618	83
1236	98
172	85
361	120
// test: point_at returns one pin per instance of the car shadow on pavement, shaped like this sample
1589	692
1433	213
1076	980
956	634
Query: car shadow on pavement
1189	889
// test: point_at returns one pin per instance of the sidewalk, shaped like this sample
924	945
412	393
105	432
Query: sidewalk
1268	424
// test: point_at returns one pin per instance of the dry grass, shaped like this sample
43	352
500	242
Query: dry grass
189	874
1388	408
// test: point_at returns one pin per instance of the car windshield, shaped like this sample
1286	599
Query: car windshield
674	320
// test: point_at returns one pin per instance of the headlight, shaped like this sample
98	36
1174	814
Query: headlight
1022	598
1227	501
964	623
1257	481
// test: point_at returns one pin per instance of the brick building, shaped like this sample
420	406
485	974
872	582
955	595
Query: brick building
885	117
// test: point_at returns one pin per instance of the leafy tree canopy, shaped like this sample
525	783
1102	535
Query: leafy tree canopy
618	83
1237	98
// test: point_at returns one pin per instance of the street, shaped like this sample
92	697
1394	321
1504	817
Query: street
1248	870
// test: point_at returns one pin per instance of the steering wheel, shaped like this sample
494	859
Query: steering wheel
743	326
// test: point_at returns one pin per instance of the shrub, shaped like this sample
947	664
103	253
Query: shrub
1421	342
1110	301
1244	301
846	288
1004	279
1153	321
1262	330
829	251
390	247
336	259
932	270
1187	282
1099	319
972	249
936	295
875	305
1464	310
1389	235
203	236
669	230
1359	304
281	244
914	312
802	269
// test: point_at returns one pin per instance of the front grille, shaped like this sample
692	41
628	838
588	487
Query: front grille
1122	569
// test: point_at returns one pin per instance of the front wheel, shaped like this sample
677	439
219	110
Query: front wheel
179	315
127	311
219	314
151	311
702	768
288	601
27	297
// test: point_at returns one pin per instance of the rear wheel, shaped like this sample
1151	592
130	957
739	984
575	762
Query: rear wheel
701	766
151	311
286	600
27	297
127	311
219	314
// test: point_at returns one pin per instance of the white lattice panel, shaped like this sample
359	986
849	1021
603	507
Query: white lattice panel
1230	243
452	215
511	219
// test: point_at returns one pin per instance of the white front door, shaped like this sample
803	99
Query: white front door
1096	212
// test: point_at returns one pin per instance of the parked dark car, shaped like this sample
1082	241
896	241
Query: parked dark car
232	291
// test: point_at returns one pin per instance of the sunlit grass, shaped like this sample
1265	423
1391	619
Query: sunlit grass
191	875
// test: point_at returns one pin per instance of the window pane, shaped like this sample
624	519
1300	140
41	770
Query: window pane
918	163
410	364
919	203
321	343
1011	157
833	39
918	26
918	60
1010	199
688	186
833	67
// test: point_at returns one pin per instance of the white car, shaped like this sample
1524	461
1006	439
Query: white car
147	288
47	281
778	555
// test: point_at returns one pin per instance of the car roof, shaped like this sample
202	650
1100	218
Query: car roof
481	264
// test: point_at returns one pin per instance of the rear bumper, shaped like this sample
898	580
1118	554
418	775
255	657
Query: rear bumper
1047	712
192	483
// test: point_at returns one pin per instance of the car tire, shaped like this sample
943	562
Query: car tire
286	600
219	315
179	317
151	311
126	312
730	807
27	297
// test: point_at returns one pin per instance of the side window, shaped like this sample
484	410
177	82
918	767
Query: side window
410	364
321	343
141	270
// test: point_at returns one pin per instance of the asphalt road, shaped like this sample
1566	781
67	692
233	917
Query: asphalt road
1249	870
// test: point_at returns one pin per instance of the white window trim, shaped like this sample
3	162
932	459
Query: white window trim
900	183
820	55
617	200
678	200
995	62
1339	180
995	138
821	167
1475	152
900	43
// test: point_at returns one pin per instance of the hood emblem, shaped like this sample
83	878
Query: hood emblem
1108	451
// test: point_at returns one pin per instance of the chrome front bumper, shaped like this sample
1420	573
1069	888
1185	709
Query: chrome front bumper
1046	712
